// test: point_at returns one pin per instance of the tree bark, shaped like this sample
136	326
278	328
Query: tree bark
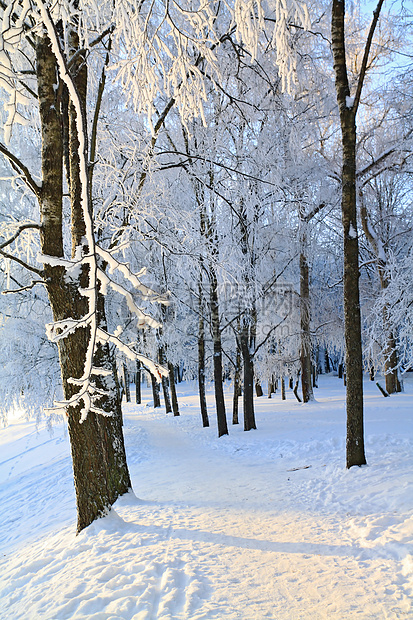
258	389
237	387
352	320
156	392
174	398
217	347
283	397
248	366
164	380
125	378
111	427
99	461
305	349
138	379
201	358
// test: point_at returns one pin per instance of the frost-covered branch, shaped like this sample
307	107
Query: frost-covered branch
21	169
124	269
18	260
157	370
143	318
18	232
24	288
213	163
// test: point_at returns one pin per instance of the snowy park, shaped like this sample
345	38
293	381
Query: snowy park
264	524
206	310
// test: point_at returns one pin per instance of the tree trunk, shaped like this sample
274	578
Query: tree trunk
111	427
295	389
237	387
305	349
393	384
99	466
166	397
201	359
258	389
156	392
327	365
125	378
352	320
248	365
283	397
164	380
315	375
138	379
216	336
175	406
391	361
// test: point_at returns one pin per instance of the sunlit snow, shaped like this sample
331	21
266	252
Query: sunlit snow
265	524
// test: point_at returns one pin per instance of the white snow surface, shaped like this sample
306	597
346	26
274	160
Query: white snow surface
229	528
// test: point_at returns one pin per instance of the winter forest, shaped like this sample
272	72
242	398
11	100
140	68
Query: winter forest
206	193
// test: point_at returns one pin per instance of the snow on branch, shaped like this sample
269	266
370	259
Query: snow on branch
156	370
287	12
123	268
11	33
89	255
162	45
143	318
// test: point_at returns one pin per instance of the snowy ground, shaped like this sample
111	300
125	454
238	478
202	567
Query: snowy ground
223	528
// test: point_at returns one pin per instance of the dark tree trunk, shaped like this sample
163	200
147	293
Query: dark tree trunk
393	384
305	349
248	384
99	462
125	379
352	321
216	336
209	235
295	390
166	397
315	375
201	359
164	380
174	398
237	387
271	387
138	379
258	389
283	397
327	365
111	428
156	391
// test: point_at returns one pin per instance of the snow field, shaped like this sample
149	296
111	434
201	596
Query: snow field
229	528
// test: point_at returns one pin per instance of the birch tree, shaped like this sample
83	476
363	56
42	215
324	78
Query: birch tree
348	106
89	380
44	49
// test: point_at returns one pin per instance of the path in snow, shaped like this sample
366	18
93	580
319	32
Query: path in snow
224	529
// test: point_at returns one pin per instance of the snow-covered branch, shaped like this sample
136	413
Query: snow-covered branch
21	169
